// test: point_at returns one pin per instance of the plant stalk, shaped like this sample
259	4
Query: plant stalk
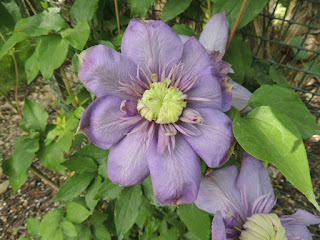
117	15
67	84
209	9
32	9
39	174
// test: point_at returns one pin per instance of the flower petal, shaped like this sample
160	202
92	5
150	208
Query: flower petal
294	232
101	69
216	139
240	96
127	163
176	176
184	38
301	217
218	228
254	183
226	95
215	34
218	192
104	123
151	44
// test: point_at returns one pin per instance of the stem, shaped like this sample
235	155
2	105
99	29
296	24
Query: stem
67	84
209	8
93	29
117	15
38	173
32	9
236	23
8	100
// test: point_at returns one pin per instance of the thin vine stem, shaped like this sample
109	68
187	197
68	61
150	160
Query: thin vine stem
117	15
32	9
38	173
8	100
67	84
236	23
209	8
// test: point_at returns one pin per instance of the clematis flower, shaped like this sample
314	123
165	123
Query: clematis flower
242	203
214	38
159	108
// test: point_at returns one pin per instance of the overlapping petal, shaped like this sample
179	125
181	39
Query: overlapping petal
240	96
216	139
127	163
103	124
102	69
218	228
300	232
151	44
301	217
175	176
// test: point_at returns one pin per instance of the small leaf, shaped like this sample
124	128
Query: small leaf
12	41
84	232
201	227
81	164
140	8
69	229
77	213
35	117
94	152
51	156
108	191
101	232
271	136
127	209
32	67
51	53
83	10
278	77
50	223
65	140
183	29
33	227
172	234
92	192
73	187
78	36
173	8
302	54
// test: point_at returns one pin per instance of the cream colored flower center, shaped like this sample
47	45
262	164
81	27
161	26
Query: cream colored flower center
263	227
161	103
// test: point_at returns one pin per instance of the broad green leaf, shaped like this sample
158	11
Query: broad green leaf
25	238
73	187
98	217
56	235
9	15
50	223
278	77
289	103
183	29
201	227
81	164
12	41
78	36
75	63
33	227
51	53
271	136
32	67
108	191
232	9
76	213
35	117
172	234
40	24
17	166
173	8
140	8
65	140
101	232
83	10
92	192
69	229
51	156
94	152
84	232
302	54
240	57
127	209
107	43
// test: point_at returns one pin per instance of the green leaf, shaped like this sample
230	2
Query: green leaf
173	8
50	224
108	191
35	117
201	227
140	8
69	229
40	24
278	77
65	140
51	53
240	57
101	232
75	63
92	192
183	29
81	164
33	227
51	156
172	234
11	42
73	187
289	103
32	67
84	232
76	213
271	136
232	9
17	166
302	55
83	10
9	15
127	209
78	36
107	43
94	152
56	235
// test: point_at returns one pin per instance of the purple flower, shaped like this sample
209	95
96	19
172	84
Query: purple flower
242	203
214	38
159	108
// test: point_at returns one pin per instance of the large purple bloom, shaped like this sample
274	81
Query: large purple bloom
214	38
159	108
242	203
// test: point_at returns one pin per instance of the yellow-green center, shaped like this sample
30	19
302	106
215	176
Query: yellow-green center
161	103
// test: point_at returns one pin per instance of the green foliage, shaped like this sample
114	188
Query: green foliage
76	213
299	55
271	136
11	42
33	227
81	164
92	192
173	8
51	156
83	10
140	8
78	36
49	226
109	191
69	229
32	68
183	29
